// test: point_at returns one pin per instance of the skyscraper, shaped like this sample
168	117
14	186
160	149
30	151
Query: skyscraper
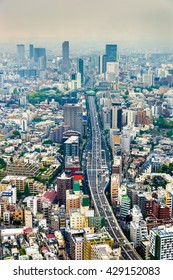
1	80
116	116
73	116
64	182
40	57
65	55
111	52
81	69
31	51
20	53
39	52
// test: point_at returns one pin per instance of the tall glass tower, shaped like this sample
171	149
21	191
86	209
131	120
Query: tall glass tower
111	53
65	55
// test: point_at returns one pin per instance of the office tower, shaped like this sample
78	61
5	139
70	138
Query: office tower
125	206
78	80
81	69
24	125
130	117
141	199
102	63
111	52
1	80
31	51
73	116
20	53
100	70
125	140
116	116
112	71
39	52
71	146
65	56
64	182
161	243
40	57
42	63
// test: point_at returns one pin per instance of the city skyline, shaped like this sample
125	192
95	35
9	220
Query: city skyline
111	21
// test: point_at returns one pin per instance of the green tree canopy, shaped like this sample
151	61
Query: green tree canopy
26	190
2	163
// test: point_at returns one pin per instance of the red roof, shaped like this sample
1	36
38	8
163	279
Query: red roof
50	195
50	235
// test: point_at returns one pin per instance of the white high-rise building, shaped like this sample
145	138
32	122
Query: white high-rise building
24	125
23	100
78	80
136	214
138	231
125	140
32	204
147	79
112	72
113	67
130	117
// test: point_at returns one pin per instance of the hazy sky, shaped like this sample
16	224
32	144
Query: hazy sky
87	20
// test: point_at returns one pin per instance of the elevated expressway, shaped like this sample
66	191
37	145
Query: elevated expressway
98	176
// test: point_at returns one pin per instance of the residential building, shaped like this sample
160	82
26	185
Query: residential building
103	237
161	243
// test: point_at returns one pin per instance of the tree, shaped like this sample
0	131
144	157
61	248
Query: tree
26	190
37	120
19	194
22	251
47	142
2	163
16	133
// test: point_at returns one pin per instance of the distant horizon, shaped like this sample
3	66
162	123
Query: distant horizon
134	23
87	46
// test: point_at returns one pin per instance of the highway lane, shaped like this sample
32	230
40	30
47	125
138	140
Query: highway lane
97	174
